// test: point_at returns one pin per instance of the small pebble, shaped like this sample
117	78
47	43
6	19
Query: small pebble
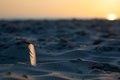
9	73
25	76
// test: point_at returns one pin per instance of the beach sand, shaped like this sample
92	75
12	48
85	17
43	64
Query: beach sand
65	49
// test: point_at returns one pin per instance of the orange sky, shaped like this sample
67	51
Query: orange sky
58	8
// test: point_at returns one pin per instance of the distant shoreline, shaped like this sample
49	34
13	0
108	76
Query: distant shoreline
53	19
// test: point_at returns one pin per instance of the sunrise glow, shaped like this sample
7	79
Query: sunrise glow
59	9
112	17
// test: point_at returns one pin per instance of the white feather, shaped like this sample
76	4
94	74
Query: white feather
32	54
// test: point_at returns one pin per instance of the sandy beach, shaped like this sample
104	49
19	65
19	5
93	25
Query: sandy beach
65	49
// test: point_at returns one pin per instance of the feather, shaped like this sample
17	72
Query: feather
32	54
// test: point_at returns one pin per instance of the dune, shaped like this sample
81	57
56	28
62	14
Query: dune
64	50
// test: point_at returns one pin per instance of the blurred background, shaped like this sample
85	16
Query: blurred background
54	9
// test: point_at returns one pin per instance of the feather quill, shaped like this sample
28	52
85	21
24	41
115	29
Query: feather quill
32	54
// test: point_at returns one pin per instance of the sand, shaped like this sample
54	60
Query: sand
65	49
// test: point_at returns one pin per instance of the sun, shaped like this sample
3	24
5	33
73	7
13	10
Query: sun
111	17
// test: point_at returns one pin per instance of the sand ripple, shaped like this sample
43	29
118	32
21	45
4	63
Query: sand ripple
66	50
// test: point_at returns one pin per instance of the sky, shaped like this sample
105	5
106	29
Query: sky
58	8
